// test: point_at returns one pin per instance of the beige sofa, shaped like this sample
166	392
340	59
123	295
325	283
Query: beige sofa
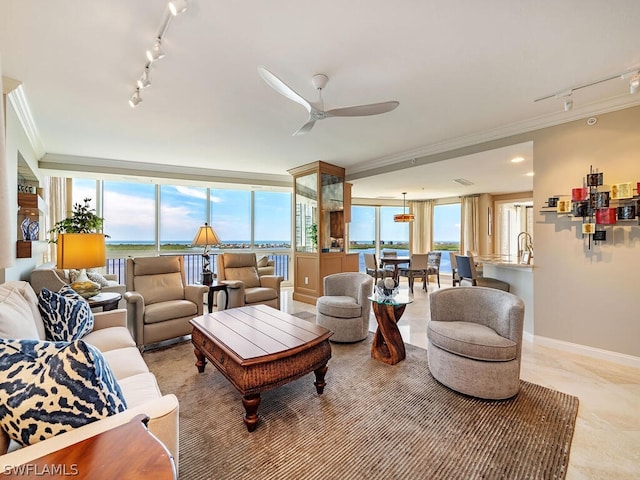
52	278
111	336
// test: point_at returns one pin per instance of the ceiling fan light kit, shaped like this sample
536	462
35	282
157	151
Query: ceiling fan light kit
316	109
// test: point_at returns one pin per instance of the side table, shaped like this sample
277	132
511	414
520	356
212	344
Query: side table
107	300
387	345
128	451
217	287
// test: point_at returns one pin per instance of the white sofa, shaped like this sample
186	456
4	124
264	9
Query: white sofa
111	336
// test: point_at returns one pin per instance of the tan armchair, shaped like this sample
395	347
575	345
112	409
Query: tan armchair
159	302
239	271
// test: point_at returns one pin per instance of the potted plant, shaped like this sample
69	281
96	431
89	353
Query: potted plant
80	245
312	231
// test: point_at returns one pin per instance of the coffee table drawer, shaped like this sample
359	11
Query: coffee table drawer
212	351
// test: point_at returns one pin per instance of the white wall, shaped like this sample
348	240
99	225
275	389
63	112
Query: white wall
582	296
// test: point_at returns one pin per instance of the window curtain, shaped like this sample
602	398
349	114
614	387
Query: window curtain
421	231
470	228
55	191
6	249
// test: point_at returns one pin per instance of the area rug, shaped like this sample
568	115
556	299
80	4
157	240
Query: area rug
373	421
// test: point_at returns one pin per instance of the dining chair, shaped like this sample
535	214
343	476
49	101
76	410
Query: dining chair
372	268
454	269
433	265
419	269
467	272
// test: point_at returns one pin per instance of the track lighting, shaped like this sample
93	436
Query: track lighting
135	99
156	52
176	7
145	80
634	85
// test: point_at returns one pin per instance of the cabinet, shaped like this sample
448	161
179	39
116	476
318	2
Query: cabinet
30	208
320	233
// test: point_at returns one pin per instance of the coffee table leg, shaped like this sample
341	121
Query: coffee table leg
201	360
320	383
251	404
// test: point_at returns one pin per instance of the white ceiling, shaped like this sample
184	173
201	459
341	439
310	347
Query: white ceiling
463	71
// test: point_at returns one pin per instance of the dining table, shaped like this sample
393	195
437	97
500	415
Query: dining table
395	261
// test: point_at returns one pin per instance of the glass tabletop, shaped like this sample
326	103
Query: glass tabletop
404	297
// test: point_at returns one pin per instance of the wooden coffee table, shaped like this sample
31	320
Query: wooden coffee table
258	348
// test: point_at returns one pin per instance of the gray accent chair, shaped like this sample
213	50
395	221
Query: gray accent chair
345	307
245	285
159	301
475	341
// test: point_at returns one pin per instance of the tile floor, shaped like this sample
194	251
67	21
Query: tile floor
606	442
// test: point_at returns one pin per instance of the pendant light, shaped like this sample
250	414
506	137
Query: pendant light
404	216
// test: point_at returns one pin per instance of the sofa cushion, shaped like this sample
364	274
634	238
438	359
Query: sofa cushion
263	262
139	389
19	315
339	306
110	338
159	287
49	388
66	315
472	340
125	362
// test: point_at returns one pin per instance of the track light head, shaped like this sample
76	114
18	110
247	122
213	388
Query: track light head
176	7
156	52
135	98
568	104
634	84
145	80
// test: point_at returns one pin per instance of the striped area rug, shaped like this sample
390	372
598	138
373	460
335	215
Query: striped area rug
373	421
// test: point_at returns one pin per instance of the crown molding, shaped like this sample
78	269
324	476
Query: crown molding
415	157
56	163
19	103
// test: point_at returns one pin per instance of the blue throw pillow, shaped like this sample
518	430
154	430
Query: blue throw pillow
66	315
48	388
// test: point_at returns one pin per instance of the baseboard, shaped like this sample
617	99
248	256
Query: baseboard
600	354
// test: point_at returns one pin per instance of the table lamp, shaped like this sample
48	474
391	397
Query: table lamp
206	236
81	251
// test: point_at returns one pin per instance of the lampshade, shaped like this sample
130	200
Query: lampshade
81	250
404	217
206	236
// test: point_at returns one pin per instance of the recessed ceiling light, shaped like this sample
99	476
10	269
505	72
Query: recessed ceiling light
463	181
517	160
530	174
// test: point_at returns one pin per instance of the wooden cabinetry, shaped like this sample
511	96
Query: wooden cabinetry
30	209
320	234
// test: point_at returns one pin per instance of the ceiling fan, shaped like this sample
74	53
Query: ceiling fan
316	109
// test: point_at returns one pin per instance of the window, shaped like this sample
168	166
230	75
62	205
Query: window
393	235
231	217
272	219
129	211
82	188
182	212
446	232
362	232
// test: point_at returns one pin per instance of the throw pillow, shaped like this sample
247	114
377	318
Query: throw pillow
66	314
48	388
98	278
263	262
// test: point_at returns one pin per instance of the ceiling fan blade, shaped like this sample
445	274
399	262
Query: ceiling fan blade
362	110
282	88
305	128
